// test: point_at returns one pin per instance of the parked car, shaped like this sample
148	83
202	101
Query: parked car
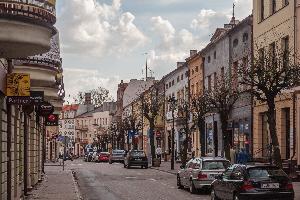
199	173
116	156
241	182
135	158
88	157
103	157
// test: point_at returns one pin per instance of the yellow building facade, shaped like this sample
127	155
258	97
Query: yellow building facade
275	25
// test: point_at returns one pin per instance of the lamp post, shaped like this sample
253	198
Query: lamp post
172	101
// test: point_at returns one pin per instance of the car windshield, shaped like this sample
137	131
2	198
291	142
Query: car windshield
215	165
137	153
104	153
118	152
263	173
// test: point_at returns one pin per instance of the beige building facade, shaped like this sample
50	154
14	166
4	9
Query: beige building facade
276	25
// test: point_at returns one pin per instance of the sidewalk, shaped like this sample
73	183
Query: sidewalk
56	185
166	167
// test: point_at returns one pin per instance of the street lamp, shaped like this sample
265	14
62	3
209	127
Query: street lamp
172	101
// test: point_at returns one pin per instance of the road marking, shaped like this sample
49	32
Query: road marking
151	179
130	177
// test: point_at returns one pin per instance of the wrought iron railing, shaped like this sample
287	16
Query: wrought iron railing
30	9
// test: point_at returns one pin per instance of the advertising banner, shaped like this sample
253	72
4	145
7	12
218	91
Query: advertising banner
18	85
52	120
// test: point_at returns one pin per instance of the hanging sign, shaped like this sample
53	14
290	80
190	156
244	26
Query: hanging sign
45	109
51	120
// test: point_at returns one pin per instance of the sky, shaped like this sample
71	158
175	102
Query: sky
106	41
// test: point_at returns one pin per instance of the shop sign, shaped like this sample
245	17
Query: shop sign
52	120
45	109
36	97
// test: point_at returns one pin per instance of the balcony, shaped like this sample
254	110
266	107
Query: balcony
26	28
45	71
82	127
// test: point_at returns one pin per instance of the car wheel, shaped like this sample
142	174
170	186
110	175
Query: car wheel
179	182
213	195
192	187
236	197
142	167
124	165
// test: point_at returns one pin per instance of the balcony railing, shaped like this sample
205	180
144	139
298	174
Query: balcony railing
38	10
81	128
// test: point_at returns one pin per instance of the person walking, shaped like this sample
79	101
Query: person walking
158	153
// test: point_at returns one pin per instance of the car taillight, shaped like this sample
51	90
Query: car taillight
247	186
289	186
202	176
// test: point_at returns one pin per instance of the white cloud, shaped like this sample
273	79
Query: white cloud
172	46
97	29
84	80
243	8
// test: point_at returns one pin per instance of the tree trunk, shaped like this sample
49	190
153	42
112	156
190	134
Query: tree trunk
184	151
201	127
225	137
273	133
152	146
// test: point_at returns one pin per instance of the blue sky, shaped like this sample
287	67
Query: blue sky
104	41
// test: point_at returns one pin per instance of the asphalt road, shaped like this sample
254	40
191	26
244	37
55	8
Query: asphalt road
102	181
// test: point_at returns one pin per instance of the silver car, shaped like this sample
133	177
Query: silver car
116	156
199	173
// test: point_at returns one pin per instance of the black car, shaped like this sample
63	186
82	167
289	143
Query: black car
135	158
241	182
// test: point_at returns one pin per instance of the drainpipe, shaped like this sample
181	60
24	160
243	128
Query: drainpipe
294	131
252	97
25	153
9	133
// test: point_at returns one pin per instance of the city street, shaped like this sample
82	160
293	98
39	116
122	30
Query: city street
103	181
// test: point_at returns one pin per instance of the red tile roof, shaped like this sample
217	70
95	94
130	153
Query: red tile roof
71	107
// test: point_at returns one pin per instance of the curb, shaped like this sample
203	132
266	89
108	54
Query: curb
75	180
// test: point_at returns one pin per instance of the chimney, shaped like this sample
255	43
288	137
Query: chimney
88	98
193	52
179	64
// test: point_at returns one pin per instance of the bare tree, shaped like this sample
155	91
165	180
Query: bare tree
200	108
268	76
221	99
152	103
98	96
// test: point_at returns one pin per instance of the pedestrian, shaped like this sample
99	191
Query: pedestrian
60	158
232	154
242	157
158	153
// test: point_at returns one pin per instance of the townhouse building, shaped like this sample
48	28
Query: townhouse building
176	85
276	29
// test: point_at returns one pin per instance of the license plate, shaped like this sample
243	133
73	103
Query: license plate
212	176
269	185
138	159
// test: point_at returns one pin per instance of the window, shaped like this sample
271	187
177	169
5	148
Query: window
228	172
181	76
272	51
172	82
192	89
215	55
197	68
178	79
209	82
285	49
261	54
222	73
166	86
193	72
235	42
273	6
285	3
208	59
262	10
215	80
245	37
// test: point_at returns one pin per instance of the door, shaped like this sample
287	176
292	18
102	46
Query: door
220	188
186	173
234	181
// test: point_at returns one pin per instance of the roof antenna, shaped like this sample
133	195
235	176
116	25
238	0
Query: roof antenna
233	17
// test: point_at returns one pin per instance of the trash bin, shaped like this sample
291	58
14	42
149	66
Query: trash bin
156	162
